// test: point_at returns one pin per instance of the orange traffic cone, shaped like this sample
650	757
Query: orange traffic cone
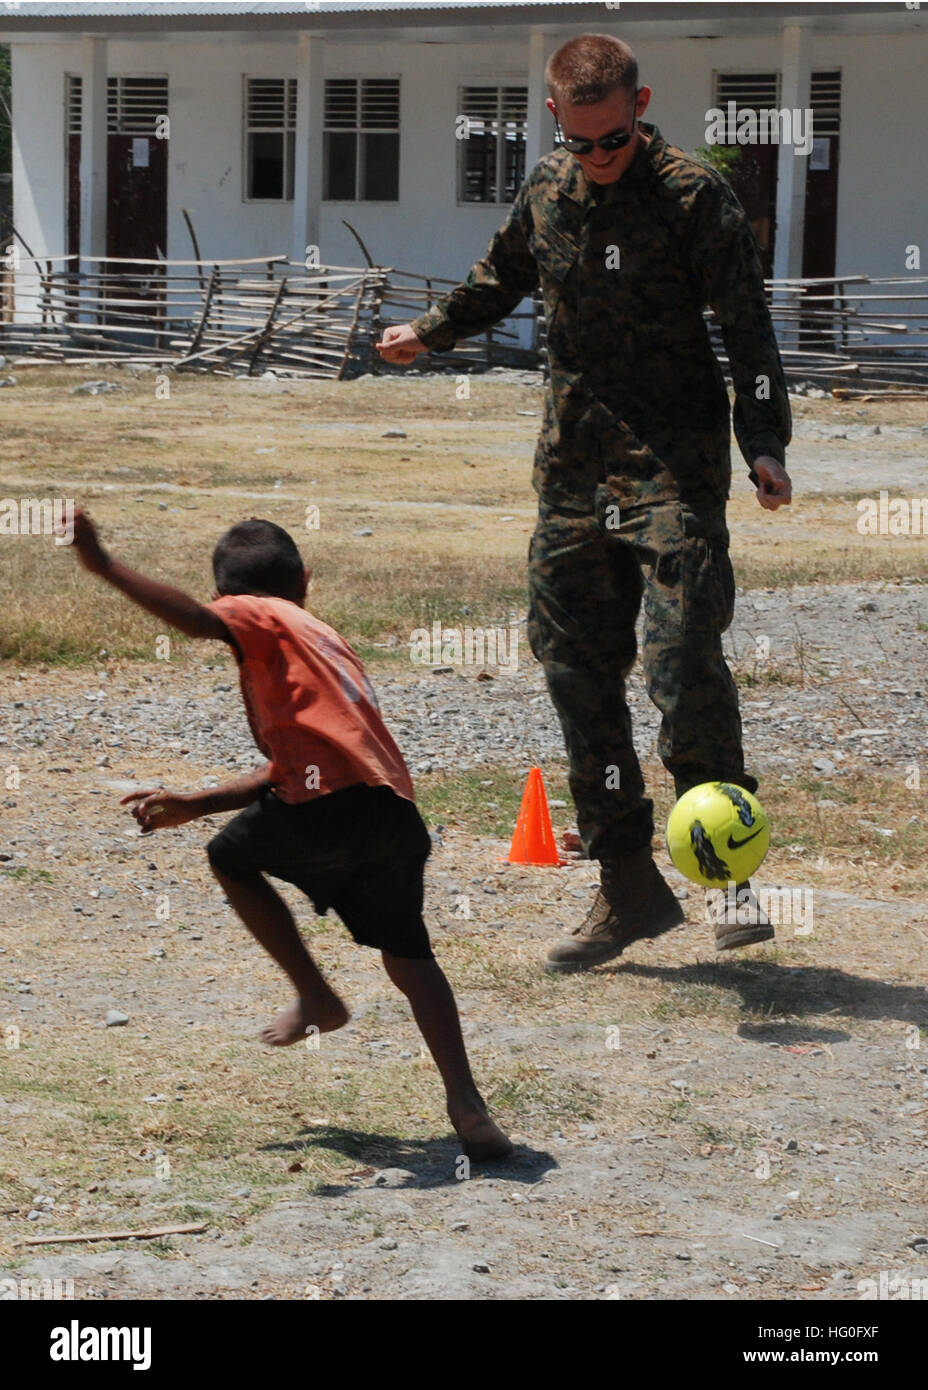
533	840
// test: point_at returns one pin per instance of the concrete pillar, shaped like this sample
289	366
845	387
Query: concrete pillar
93	148
307	176
795	94
540	124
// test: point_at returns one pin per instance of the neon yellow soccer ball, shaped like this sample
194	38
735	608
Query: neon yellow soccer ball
717	834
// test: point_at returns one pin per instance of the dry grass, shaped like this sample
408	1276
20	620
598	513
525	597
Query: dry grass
91	1114
821	545
182	1116
450	506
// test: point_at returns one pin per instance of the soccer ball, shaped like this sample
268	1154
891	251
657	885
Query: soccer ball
717	834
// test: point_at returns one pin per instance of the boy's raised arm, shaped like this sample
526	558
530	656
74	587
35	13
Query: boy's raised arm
172	606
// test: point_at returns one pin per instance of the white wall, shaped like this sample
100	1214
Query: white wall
680	73
882	183
39	188
425	231
883	172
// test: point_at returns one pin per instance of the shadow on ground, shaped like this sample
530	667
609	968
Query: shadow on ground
411	1163
767	988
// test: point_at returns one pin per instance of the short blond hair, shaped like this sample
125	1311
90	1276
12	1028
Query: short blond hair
589	68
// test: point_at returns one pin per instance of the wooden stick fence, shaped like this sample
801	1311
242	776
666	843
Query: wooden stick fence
229	316
857	333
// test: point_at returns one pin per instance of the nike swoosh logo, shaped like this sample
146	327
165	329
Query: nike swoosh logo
736	844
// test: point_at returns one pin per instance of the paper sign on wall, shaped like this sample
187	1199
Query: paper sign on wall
140	152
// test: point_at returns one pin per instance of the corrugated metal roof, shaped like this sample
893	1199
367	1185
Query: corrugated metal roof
120	9
343	15
142	16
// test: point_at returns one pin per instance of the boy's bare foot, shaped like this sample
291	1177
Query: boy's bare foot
481	1137
292	1025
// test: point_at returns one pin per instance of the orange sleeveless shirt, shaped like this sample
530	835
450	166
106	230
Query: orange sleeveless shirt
311	707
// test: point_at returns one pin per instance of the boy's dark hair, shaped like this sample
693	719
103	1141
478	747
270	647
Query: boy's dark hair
258	557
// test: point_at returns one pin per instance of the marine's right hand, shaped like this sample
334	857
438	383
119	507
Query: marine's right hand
400	344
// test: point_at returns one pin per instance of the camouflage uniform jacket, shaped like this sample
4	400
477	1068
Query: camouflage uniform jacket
636	399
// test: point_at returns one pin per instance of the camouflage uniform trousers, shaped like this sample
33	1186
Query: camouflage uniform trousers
588	574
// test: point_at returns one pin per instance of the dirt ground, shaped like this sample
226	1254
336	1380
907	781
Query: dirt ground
746	1127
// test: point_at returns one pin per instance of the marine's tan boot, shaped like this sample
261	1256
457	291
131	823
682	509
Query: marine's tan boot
738	917
633	902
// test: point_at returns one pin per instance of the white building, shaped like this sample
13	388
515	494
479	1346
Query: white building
283	119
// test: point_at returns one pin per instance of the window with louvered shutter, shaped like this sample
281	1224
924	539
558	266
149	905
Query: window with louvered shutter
361	139
73	97
133	104
270	132
826	103
491	161
750	91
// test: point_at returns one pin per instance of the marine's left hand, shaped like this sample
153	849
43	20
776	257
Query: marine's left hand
776	489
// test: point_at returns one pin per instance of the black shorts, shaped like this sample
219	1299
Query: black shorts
361	850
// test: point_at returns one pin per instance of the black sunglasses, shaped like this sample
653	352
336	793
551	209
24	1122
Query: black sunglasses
615	140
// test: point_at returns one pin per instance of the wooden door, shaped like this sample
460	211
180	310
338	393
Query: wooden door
754	180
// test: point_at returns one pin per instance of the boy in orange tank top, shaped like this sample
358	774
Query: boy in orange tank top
331	811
